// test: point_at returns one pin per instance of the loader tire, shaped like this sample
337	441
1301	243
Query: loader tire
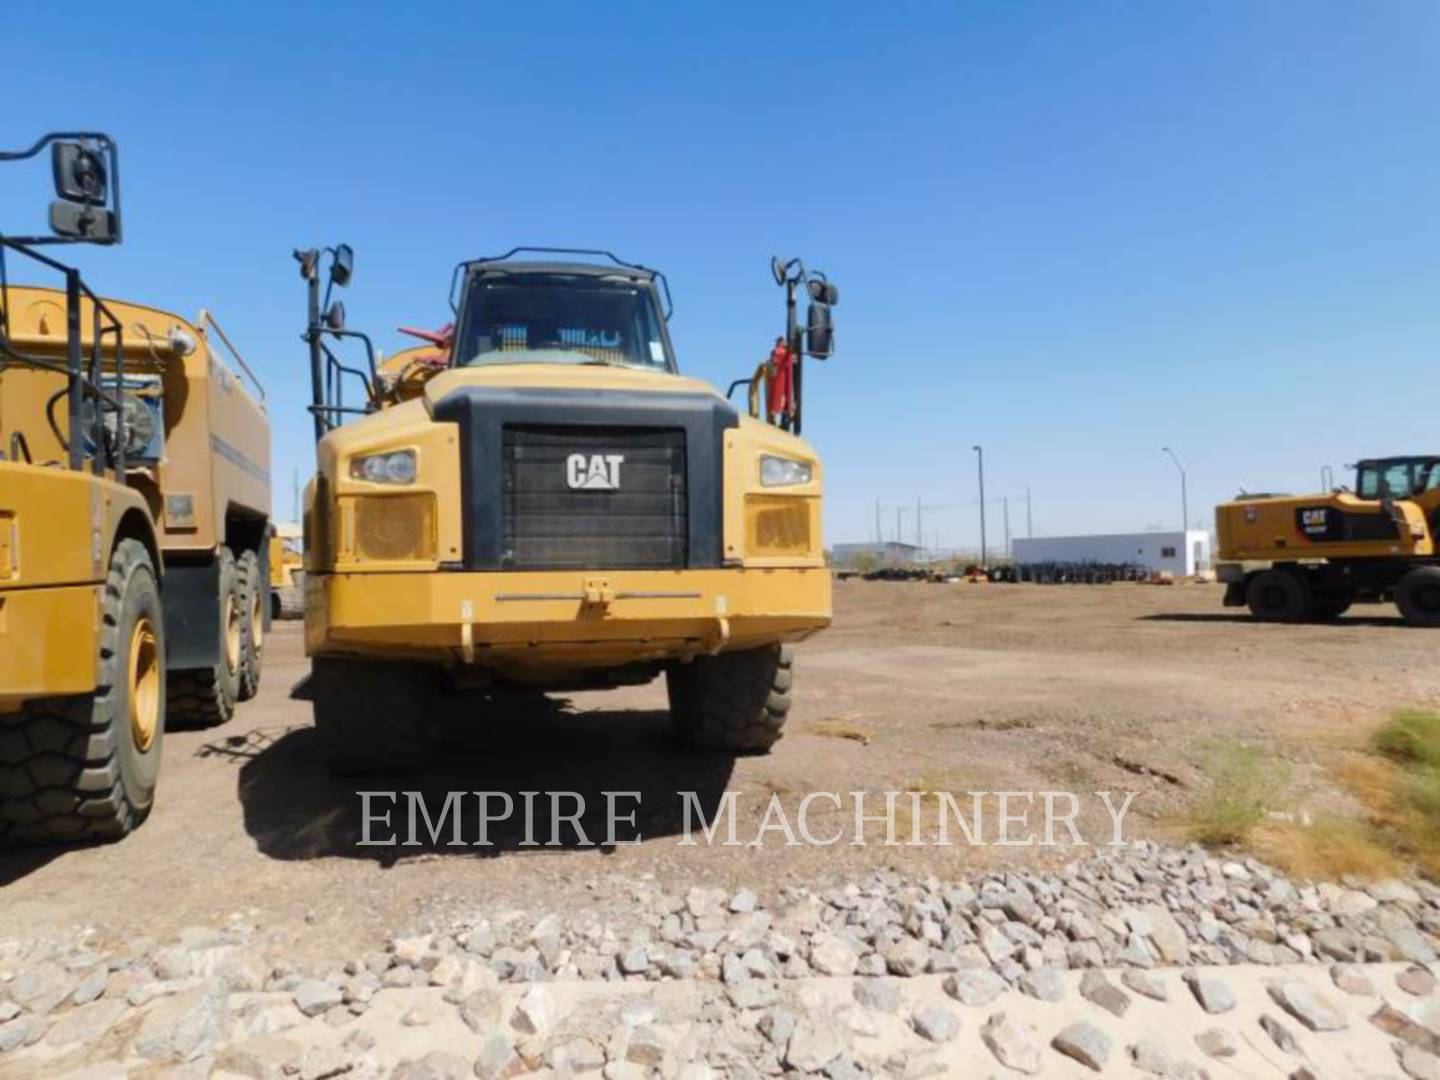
84	768
1279	596
1417	595
735	701
205	697
373	715
252	625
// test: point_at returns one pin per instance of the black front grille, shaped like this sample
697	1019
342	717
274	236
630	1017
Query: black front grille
604	498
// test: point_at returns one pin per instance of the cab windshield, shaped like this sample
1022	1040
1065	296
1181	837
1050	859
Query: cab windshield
1397	479
559	318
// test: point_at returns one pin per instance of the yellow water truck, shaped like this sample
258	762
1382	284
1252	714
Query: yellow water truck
542	500
134	496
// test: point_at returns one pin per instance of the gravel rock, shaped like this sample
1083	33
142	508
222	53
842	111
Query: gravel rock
1085	1043
184	1027
1279	1034
976	986
1217	1043
1150	1056
1214	995
1416	980
1098	990
91	987
815	1043
1014	1044
833	955
1308	1006
1418	1064
1044	983
497	1057
535	1013
752	994
20	1032
86	1024
1145	984
907	956
1352	980
436	1065
315	996
938	1025
882	995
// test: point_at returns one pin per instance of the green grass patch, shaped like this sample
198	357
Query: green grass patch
1411	738
1245	784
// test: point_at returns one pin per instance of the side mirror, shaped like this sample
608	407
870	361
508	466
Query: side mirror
819	330
342	265
823	292
78	221
335	317
777	270
79	173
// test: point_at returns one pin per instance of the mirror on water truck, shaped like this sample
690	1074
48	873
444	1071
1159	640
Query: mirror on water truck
780	376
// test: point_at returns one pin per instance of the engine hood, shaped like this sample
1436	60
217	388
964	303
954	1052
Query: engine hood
561	377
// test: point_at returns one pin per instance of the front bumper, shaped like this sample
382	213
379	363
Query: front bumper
561	619
47	642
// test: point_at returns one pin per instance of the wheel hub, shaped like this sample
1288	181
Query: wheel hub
232	633
144	684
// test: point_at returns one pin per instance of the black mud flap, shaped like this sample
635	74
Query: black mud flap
191	598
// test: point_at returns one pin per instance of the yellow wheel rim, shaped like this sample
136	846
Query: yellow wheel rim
232	633
257	621
144	684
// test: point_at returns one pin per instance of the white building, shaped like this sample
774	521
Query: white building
1181	553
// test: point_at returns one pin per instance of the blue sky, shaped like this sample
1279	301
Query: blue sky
1069	232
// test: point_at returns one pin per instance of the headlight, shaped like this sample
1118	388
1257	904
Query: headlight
393	468
780	472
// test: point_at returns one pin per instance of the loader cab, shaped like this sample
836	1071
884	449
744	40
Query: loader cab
1398	477
513	312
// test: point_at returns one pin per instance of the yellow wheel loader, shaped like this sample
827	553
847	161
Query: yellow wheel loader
133	502
540	499
1295	558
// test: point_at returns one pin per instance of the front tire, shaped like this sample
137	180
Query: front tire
1279	596
1417	595
734	701
373	715
205	697
85	768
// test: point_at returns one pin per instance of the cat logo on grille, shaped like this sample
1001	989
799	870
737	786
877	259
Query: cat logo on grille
593	472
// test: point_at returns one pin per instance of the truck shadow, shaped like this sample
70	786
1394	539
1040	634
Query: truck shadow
1217	617
566	759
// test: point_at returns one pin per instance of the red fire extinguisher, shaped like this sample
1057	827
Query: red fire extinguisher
780	383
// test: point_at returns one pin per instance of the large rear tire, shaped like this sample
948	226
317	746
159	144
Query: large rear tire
1279	596
1417	595
252	640
85	768
205	697
735	701
373	715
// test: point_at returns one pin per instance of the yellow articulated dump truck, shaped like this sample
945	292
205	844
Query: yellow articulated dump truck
287	572
1292	558
133	505
540	499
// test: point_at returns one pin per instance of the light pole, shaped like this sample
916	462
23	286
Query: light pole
980	460
1184	497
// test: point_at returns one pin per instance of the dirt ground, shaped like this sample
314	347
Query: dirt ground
959	688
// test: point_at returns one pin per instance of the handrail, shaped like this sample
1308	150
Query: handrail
206	319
